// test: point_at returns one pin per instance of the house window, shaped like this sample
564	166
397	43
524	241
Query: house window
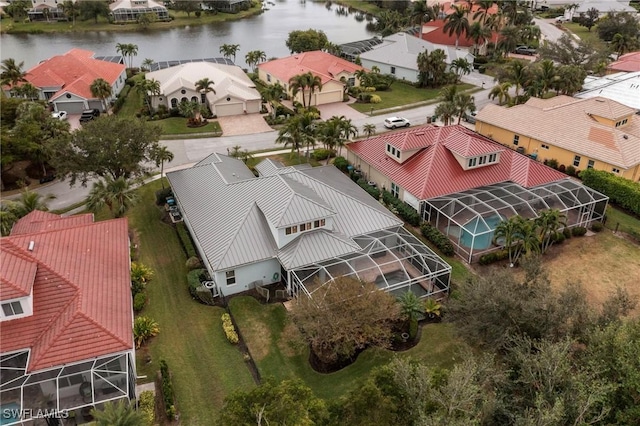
12	308
472	162
203	98
231	277
398	154
388	148
305	227
352	81
174	103
576	161
395	190
492	158
393	70
590	164
291	229
516	139
269	78
543	146
318	223
194	99
183	91
184	100
482	160
614	170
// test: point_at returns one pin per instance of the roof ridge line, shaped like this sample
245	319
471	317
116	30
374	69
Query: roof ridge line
307	198
237	231
93	321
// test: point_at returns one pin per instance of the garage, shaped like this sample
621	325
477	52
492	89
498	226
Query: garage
229	109
328	97
70	107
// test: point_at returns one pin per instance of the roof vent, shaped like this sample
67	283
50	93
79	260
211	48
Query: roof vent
625	136
32	244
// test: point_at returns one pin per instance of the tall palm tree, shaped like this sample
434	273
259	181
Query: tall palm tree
411	307
146	64
501	91
329	132
119	413
160	155
11	73
346	130
622	43
446	111
205	86
230	50
313	82
369	129
116	194
464	102
127	50
254	57
457	23
448	93
71	8
495	24
518	74
509	37
548	223
298	83
483	10
30	201
479	33
506	234
148	88
460	67
7	218
273	93
100	88
545	75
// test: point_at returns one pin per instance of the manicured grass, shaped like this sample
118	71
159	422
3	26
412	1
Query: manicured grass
181	20
627	223
278	350
205	367
134	101
402	94
582	32
178	126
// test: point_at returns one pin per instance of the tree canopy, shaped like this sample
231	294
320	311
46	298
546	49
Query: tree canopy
108	146
305	41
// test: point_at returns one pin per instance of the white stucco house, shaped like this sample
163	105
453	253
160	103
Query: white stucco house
398	55
299	227
233	91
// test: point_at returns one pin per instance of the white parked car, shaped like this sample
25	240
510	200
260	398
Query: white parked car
60	115
393	122
561	19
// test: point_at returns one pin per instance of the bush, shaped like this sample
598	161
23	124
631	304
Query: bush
621	191
571	171
559	237
341	163
567	233
495	256
372	190
161	196
185	239
322	154
436	237
578	231
597	226
193	263
375	99
562	168
229	329
405	211
139	300
364	97
553	163
194	280
147	406
167	390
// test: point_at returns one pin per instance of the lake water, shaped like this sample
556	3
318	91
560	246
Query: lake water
267	32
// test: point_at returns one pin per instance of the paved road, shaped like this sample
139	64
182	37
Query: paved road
548	29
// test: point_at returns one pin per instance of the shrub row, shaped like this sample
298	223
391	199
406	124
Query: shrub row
436	237
341	163
406	212
185	238
167	390
139	301
494	256
229	329
621	191
147	406
193	279
371	190
322	154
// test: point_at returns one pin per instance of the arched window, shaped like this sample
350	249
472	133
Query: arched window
174	103
184	100
194	99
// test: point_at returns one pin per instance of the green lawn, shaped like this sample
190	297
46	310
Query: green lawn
205	367
582	32
178	126
627	223
134	101
277	349
402	94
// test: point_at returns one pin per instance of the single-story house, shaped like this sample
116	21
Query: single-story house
623	87
233	91
130	10
46	10
596	132
335	73
433	31
465	184
629	62
65	80
299	228
398	55
66	317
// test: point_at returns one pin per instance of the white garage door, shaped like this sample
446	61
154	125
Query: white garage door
328	97
71	107
229	109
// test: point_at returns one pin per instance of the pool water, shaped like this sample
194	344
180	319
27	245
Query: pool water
477	226
395	277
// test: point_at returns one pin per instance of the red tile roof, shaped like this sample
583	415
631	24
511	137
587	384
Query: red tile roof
17	277
39	221
448	8
434	171
627	63
81	291
433	31
74	71
322	64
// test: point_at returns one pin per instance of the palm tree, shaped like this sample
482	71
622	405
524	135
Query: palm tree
160	155
479	33
30	201
329	132
146	64
518	74
70	8
148	88
348	131
622	43
273	93
369	129
27	91
545	75
494	23
7	218
188	109
332	48
529	242
127	50
432	308
144	328
448	93
446	111
508	39
483	11
115	194
299	131
313	82
298	83
464	102
12	73
411	308
501	91
508	231
119	413
460	67
254	57
548	223
229	50
100	88
205	86
457	23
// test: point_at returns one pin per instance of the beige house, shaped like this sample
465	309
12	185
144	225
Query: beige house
233	92
595	133
335	73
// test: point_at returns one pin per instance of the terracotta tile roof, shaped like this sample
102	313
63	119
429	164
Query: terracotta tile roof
571	124
628	63
74	71
433	31
39	221
81	293
434	171
17	277
448	8
322	64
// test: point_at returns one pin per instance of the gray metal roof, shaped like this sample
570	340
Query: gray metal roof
319	245
228	210
623	87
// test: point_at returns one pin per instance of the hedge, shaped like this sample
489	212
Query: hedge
621	191
495	256
404	210
440	240
229	329
341	163
193	279
167	390
372	190
185	238
322	154
147	406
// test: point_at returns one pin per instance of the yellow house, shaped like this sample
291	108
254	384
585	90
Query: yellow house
589	133
334	74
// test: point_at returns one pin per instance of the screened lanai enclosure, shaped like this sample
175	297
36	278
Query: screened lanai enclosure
131	11
71	390
393	259
469	218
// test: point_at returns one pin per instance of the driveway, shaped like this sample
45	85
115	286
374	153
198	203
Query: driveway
246	124
339	108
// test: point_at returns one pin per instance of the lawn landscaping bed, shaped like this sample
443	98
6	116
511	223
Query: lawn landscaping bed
279	351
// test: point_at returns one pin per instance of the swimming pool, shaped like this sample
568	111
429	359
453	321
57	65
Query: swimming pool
394	277
477	226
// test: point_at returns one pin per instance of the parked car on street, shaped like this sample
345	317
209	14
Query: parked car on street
89	114
394	122
60	115
562	19
470	118
525	50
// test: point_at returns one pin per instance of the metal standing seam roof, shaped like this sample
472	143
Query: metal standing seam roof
621	87
224	217
318	245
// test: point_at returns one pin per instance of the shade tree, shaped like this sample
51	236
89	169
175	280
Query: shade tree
304	41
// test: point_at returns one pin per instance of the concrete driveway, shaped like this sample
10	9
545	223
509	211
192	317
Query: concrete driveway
339	108
246	124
